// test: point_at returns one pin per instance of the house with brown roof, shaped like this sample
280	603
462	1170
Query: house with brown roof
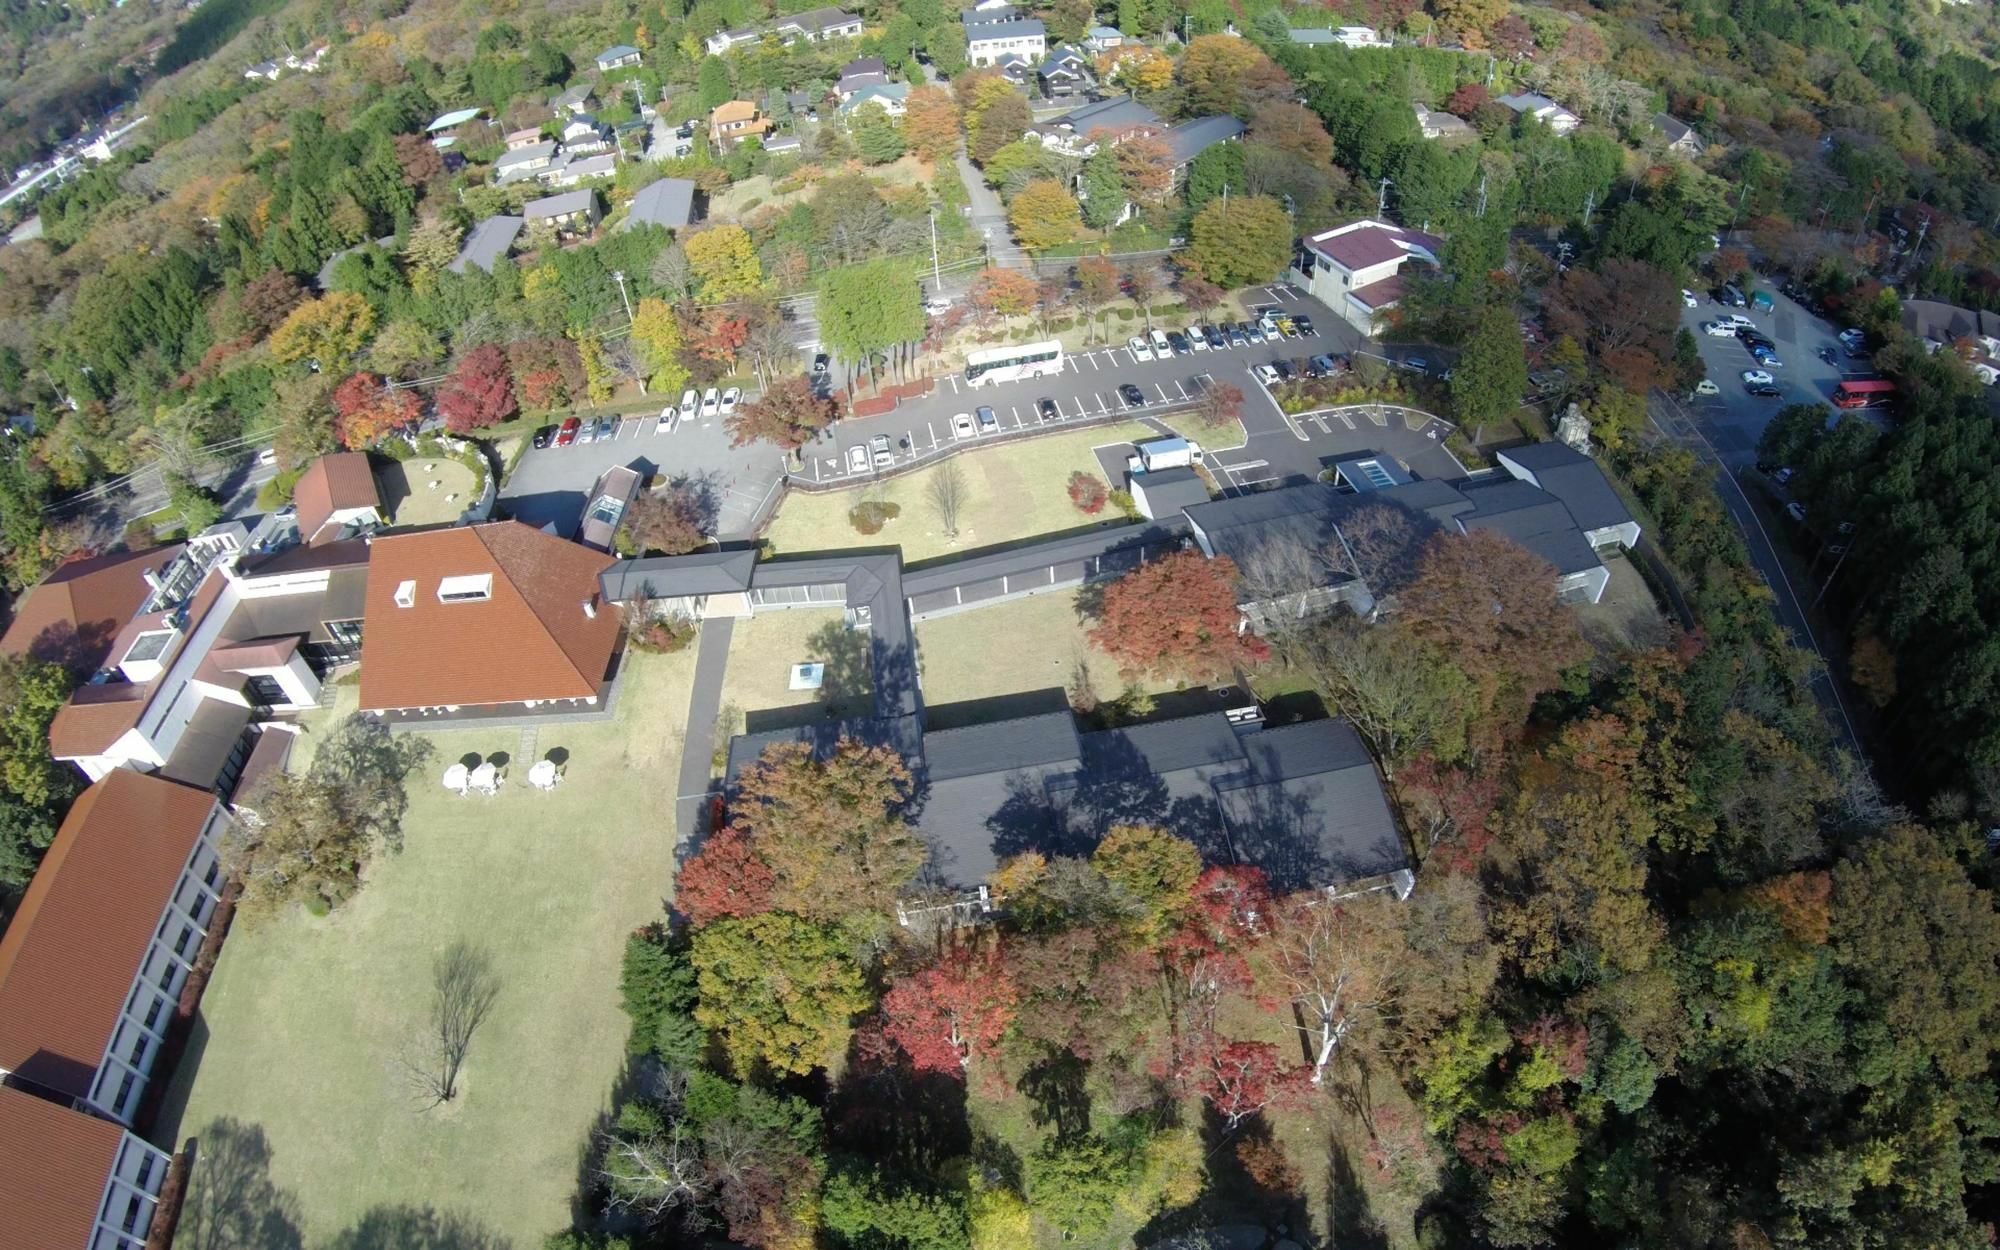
92	967
336	493
500	618
71	616
72	1179
1357	269
736	120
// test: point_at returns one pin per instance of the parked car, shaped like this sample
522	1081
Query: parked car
988	423
1757	377
1706	387
961	426
1178	343
1141	348
1284	368
1266	374
1765	391
857	459
1853	336
730	398
1767	358
1160	344
1132	395
1236	336
1195	338
566	432
1304	325
1782	476
669	417
1796	511
545	436
1718	329
937	306
608	428
1047	410
711	403
690	404
1287	327
586	433
1216	338
1415	364
1254	331
1687	298
878	447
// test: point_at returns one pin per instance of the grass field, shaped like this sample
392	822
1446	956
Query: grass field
307	1019
1037	643
408	497
1014	491
763	649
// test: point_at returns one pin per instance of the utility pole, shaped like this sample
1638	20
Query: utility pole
1845	547
1589	206
618	276
937	275
1491	65
1923	228
1482	194
1382	199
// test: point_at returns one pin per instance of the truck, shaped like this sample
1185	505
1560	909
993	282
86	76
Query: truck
1163	453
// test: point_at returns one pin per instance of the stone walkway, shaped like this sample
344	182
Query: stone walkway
711	663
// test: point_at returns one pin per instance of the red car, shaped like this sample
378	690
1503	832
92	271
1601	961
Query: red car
567	434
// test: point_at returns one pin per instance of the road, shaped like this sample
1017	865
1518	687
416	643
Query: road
989	215
235	482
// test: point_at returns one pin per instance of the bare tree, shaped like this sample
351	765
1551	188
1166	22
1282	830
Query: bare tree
946	493
463	988
1338	961
672	274
1287	581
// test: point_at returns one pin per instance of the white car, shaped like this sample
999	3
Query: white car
1140	348
857	459
879	446
711	403
961	426
937	306
1687	297
1161	348
668	416
1757	377
1195	339
1706	387
1716	329
690	403
730	398
1266	374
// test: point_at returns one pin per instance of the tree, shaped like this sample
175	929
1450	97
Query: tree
1075	1183
946	494
433	244
1219	411
1142	283
1294	130
1137	68
463	987
995	115
1145	168
196	504
958	1008
1620	304
930	122
32	691
656	338
727	878
1045	214
403	346
1241	240
1002	292
657	984
1201	294
25	832
365	409
1238	1079
1491	376
668	521
830	829
1471	19
878	137
1492	604
1223	74
419	159
789	414
1096	284
1198	639
1103	189
1154	870
723	260
1339	962
713	83
269	298
870	308
1400	694
778	990
306	837
480	392
327	331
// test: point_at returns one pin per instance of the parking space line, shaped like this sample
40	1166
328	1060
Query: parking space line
1163	392
1181	389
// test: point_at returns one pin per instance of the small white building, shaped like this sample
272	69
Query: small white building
1542	109
1356	269
987	42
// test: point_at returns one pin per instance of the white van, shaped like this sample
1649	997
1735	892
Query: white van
1161	348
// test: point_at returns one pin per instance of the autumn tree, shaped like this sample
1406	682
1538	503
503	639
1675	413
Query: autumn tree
723	260
779	991
268	299
480	392
1491	604
365	409
1154	871
1219	412
1294	130
1238	1079
656	338
1198	639
1136	67
433	244
1400	693
1045	214
951	1012
727	878
1620	305
998	292
1142	283
789	414
930	122
419	159
1240	240
327	331
1145	168
669	521
995	115
1340	963
1096	285
1200	294
831	829
1224	74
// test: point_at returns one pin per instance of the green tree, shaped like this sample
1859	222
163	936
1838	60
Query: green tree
1103	190
659	989
712	84
1241	240
869	308
877	136
32	691
1075	1184
778	990
196	504
1216	167
656	337
1491	377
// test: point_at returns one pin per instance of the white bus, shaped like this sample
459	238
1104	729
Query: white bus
1010	364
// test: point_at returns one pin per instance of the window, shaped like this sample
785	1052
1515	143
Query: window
138	1050
468	588
214	871
181	942
153	1013
125	1090
145	1171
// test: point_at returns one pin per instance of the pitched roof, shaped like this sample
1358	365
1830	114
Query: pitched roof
457	117
331	484
668	202
861	65
1191	138
544	150
57	1163
530	640
71	616
884	93
671	577
733	111
1014	28
1672	127
817	19
1531	518
617	52
95	717
1380	293
1359	245
68	959
1575	479
488	243
559	205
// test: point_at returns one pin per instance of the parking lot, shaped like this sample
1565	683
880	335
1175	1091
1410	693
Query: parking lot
1735	419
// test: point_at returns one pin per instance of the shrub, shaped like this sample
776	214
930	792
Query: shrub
277	492
1088	492
1122	500
870	516
396	449
664	634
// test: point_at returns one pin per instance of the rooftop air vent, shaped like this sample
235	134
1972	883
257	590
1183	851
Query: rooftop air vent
467	588
406	594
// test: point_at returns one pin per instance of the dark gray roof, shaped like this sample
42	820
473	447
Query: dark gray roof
1440	500
1124	541
1311	810
560	205
1168	746
668	202
488	242
1117	113
1672	127
1533	519
1164	492
1190	139
671	577
1001	746
1575	479
873	581
861	65
901	734
1241	527
544	150
1014	28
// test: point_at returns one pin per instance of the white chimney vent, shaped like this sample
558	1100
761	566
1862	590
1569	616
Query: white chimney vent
590	609
406	594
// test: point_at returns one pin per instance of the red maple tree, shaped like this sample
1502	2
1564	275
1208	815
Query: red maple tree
1240	1079
727	878
364	410
1177	616
949	1012
480	393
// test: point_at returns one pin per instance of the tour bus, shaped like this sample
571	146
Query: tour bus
1009	364
1869	394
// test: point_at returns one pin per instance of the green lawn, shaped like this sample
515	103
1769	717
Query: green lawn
307	1019
959	661
763	649
1013	491
409	498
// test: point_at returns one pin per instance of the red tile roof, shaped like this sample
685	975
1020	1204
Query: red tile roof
1372	244
531	640
332	484
57	1163
71	617
95	717
68	959
1379	294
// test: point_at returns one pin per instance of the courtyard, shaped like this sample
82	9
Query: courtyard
764	648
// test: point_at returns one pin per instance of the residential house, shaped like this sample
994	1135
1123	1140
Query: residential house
583	135
238	626
987	42
812	26
736	120
493	619
1542	109
1436	124
616	488
668	202
892	98
1102	39
264	71
1345	36
93	963
783	145
574	172
1191	138
622	56
1680	136
452	120
866	71
1066	72
71	616
526	138
571	213
572	102
1356	269
336	498
523	163
488	243
1016	68
1973	334
1079	131
74	1180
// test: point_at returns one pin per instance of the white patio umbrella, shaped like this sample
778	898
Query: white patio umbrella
455	778
486	779
543	776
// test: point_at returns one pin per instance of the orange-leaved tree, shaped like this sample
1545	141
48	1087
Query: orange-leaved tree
1177	617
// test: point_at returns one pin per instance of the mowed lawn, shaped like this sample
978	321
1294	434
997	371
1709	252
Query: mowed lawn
307	1019
1037	643
1012	491
762	651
